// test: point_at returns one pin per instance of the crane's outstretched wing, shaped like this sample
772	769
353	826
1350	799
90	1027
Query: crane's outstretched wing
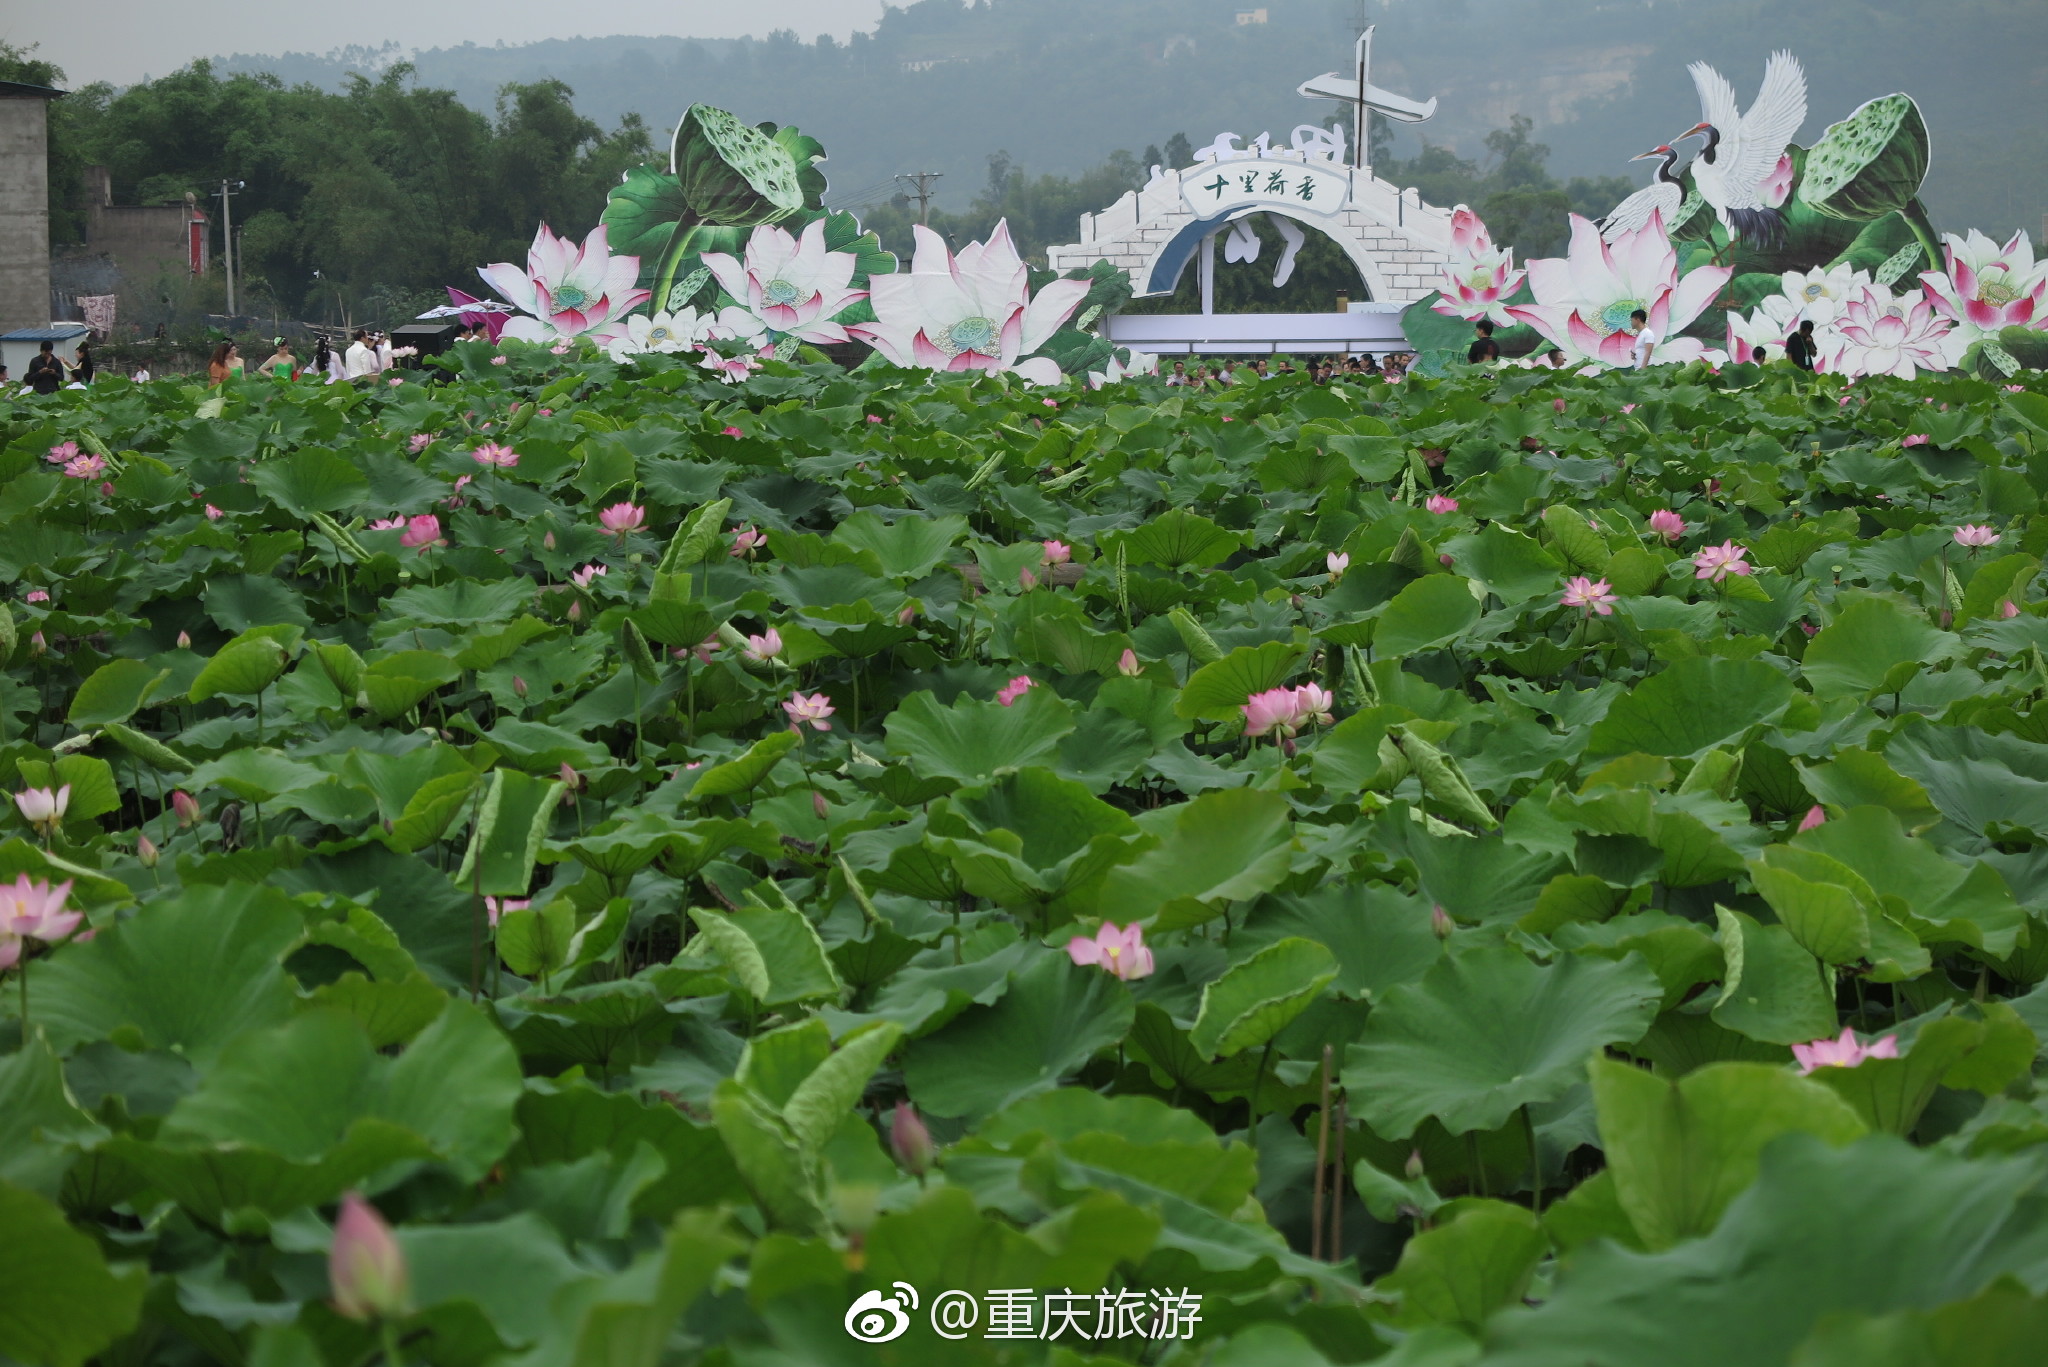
1717	98
1633	212
1769	125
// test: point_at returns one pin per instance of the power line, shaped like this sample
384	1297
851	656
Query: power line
923	180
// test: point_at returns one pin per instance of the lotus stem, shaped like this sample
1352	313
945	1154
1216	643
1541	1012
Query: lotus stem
1535	1162
1315	1238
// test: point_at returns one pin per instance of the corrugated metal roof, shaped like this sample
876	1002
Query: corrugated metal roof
18	89
61	332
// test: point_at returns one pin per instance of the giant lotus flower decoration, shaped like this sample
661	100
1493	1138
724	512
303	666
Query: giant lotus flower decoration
971	310
1986	287
1583	300
1477	279
568	291
793	285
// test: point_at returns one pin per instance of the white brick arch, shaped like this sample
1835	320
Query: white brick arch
1397	243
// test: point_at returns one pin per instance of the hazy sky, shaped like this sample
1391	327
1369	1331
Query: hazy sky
124	40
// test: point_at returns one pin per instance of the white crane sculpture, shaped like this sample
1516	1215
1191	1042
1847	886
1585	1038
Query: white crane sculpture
1741	172
1663	197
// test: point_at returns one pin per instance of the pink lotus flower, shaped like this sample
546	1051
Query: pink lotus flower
970	311
85	467
35	910
495	907
1127	664
571	780
1557	405
1974	535
746	541
1338	562
1275	710
731	369
36	596
1313	703
570	291
1815	816
1477	279
186	806
910	1141
581	578
1583	301
874	417
1842	1052
812	708
765	647
500	360
146	851
1026	579
1667	524
1986	287
366	1268
1594	595
1777	186
43	808
1718	562
1057	553
2008	609
496	456
423	530
730	431
63	453
418	442
702	650
1916	439
1438	503
1015	689
1121	950
1878	334
385	524
795	285
622	518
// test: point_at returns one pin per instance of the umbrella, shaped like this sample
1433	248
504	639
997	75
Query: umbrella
457	310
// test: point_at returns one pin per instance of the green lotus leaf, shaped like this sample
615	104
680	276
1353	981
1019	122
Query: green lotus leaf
1871	163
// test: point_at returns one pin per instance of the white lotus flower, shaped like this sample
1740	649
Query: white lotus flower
1141	363
1986	287
792	285
1820	293
1878	333
1773	321
1583	301
968	311
1477	279
568	290
661	332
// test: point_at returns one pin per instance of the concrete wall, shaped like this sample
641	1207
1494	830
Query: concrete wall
24	213
136	252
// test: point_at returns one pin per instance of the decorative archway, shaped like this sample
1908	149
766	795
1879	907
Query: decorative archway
1397	243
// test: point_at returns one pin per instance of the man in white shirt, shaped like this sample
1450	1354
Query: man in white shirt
1639	328
360	360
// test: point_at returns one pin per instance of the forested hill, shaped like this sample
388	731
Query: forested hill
1059	84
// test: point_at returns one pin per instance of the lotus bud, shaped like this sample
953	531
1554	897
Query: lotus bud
548	541
1815	816
184	640
818	802
518	686
1440	923
186	806
1127	664
365	1266
37	645
1414	1168
2008	608
910	1141
145	850
571	780
576	612
1445	561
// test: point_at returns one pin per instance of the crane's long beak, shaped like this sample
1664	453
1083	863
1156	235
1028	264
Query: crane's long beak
1652	154
1695	129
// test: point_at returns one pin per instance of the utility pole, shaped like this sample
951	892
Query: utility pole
923	181
227	233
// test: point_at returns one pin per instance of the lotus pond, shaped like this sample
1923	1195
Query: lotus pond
584	864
